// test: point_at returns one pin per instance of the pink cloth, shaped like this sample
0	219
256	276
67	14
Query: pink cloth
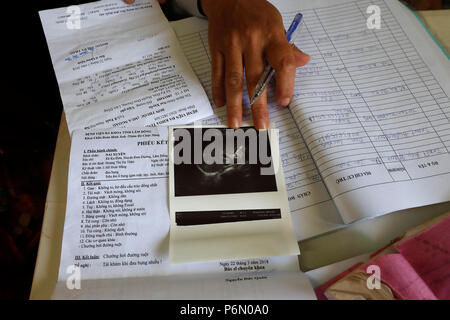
429	254
404	282
421	269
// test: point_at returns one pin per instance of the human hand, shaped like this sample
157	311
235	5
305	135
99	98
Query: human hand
242	33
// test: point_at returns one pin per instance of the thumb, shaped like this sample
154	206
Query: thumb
301	58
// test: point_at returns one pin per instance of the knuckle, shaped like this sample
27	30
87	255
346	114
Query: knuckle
253	78
276	33
286	63
217	87
254	41
231	41
252	33
234	80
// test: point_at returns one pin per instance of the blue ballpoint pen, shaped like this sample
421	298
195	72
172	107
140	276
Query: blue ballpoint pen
269	72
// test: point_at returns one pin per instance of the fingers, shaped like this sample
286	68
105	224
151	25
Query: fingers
218	78
233	86
254	67
281	57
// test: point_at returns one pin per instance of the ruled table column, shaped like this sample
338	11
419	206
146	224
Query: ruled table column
341	141
418	125
367	69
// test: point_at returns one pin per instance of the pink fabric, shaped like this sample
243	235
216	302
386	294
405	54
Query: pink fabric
398	274
421	271
428	253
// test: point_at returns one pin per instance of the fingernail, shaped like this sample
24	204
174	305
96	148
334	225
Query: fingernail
234	123
219	103
261	124
285	101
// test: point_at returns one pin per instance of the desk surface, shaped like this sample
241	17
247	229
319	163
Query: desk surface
355	239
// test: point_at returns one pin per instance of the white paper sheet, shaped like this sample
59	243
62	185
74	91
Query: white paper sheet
117	228
231	211
121	67
372	106
263	286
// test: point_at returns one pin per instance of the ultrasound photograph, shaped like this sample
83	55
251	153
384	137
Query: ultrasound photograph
228	176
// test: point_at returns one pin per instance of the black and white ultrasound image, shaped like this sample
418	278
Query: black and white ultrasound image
227	178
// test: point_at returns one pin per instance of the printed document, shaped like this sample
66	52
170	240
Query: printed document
120	65
116	231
